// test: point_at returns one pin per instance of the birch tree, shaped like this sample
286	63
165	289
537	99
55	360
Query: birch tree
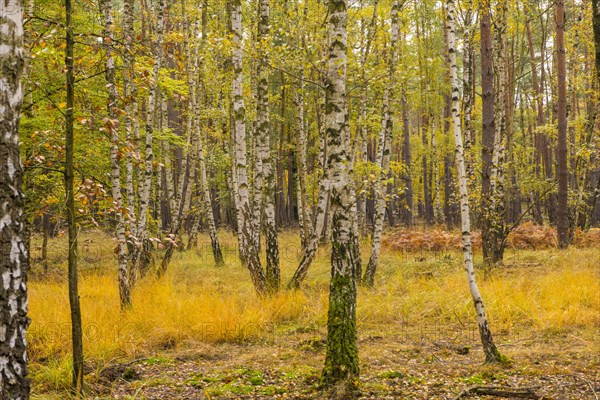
267	177
491	352
132	133
341	359
384	149
143	255
14	259
112	128
247	245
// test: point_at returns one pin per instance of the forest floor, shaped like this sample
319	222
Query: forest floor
200	332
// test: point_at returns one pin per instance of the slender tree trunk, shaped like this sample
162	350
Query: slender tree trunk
272	273
14	258
208	211
132	134
303	215
341	360
112	127
76	326
468	98
540	117
438	215
319	222
46	233
494	214
407	160
491	352
362	141
144	256
199	154
488	132
239	130
562	170
384	149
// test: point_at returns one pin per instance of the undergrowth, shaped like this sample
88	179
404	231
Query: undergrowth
548	291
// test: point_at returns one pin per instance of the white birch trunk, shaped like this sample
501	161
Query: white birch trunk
491	352
14	259
131	121
239	131
341	359
112	127
383	150
142	230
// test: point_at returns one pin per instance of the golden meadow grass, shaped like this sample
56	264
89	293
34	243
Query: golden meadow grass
545	291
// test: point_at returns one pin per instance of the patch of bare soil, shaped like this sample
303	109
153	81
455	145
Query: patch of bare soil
394	365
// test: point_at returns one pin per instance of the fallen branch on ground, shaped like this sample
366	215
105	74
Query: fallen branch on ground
510	392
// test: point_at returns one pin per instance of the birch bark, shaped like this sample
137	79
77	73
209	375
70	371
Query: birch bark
239	130
384	148
341	359
112	126
491	352
14	260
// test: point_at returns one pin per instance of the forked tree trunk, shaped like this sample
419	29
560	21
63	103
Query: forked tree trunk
239	130
491	352
208	212
14	259
319	218
112	127
341	359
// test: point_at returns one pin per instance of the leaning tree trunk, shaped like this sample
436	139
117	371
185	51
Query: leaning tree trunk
76	326
491	352
178	198
341	359
384	149
239	131
562	172
319	218
112	127
14	259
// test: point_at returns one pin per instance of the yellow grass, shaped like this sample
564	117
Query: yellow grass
545	291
